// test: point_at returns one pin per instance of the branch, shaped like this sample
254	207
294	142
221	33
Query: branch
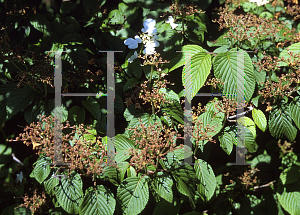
240	114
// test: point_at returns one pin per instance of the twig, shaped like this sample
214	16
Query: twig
16	159
265	185
57	176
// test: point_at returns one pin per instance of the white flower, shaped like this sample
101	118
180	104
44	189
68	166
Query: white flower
148	38
150	45
133	43
149	50
20	177
149	27
260	2
171	21
133	57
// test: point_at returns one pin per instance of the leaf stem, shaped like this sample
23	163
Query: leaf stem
195	151
16	66
45	86
151	76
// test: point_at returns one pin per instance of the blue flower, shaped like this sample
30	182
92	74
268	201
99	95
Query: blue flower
133	43
20	177
149	27
133	57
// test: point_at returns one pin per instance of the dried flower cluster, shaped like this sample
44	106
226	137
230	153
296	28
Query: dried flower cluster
268	63
183	10
246	27
153	60
153	143
285	148
293	10
284	85
39	70
277	3
199	132
236	2
248	179
34	202
154	96
84	155
214	82
33	68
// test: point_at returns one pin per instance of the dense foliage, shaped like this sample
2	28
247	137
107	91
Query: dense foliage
171	52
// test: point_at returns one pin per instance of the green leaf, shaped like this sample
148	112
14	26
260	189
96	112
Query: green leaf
122	144
61	113
170	95
179	59
196	75
71	37
133	195
69	193
174	110
5	92
67	7
146	120
116	17
131	112
226	142
221	41
266	15
167	208
76	115
250	205
294	48
42	169
119	104
111	174
93	107
228	67
289	197
72	26
203	4
271	203
79	55
40	23
122	168
208	182
281	123
259	119
290	175
194	213
211	117
163	186
135	68
22	211
50	184
246	121
131	172
255	101
250	144
5	156
182	153
92	4
42	107
99	200
295	110
130	83
19	100
186	179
